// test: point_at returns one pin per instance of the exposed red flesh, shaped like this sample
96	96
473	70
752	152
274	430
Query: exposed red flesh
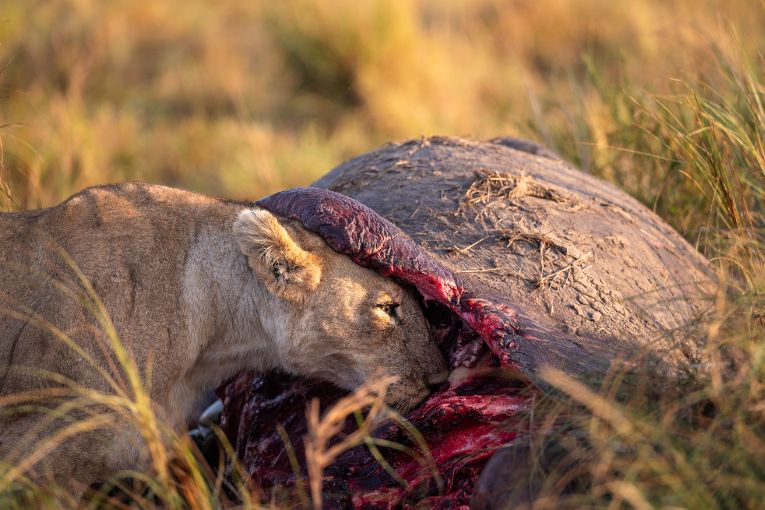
463	425
464	422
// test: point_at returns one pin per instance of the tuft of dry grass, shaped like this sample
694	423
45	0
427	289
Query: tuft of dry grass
490	188
321	429
179	476
637	440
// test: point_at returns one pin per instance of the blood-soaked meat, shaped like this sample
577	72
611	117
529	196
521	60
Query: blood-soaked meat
462	430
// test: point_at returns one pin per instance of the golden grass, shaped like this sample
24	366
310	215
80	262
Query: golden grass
662	97
243	99
70	409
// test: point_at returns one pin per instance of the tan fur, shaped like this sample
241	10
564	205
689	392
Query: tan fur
198	289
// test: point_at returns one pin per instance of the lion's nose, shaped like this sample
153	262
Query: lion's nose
437	378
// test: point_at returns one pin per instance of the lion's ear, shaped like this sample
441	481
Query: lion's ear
275	256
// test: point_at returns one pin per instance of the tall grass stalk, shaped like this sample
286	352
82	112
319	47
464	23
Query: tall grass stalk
179	477
700	443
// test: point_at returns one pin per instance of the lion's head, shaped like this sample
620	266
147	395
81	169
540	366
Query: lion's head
333	319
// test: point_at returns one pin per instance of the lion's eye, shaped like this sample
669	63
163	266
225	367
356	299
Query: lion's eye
389	308
277	270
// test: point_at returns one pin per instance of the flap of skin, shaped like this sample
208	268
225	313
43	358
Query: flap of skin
517	337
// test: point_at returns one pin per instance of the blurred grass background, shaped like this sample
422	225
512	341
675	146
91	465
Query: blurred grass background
666	98
245	98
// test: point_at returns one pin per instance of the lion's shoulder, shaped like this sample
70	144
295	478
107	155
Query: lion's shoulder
129	217
136	193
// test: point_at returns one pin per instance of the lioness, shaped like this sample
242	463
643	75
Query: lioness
198	289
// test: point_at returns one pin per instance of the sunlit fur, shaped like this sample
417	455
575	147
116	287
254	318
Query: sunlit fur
192	286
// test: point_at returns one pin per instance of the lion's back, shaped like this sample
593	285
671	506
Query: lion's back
127	241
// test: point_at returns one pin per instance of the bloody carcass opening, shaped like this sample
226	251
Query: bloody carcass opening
455	430
530	263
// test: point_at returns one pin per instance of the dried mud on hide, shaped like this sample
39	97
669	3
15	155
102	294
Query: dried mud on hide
494	188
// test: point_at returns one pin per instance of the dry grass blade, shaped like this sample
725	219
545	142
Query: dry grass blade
425	457
600	406
5	188
147	420
295	465
43	448
178	477
321	429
